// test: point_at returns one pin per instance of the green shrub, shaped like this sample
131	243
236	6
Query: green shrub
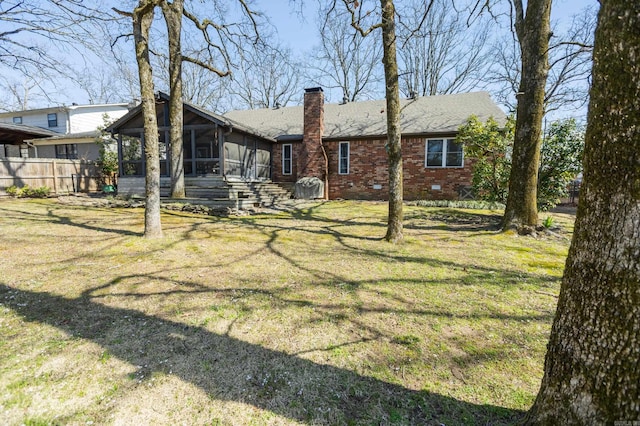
548	222
28	192
12	190
42	192
490	145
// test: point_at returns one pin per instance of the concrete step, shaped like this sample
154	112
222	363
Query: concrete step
215	191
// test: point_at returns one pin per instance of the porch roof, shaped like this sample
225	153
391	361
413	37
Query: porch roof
80	137
218	119
17	133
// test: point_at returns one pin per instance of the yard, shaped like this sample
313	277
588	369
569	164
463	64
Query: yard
293	317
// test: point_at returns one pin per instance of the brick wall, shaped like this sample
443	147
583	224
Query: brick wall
368	171
311	160
368	177
276	162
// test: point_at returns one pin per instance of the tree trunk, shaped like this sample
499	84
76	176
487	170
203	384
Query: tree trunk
173	18
394	145
592	368
533	31
142	19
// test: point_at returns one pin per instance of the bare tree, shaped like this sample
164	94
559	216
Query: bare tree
591	374
532	28
446	54
103	83
205	89
142	17
173	19
569	65
344	60
218	39
37	36
394	136
359	13
31	27
266	76
19	92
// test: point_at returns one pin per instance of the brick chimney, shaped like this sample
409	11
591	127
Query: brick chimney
312	159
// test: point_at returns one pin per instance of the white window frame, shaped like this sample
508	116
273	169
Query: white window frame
445	148
340	158
290	159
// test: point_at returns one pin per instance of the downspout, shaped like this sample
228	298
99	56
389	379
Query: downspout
35	148
326	170
68	129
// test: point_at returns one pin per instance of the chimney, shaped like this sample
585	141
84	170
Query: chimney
312	159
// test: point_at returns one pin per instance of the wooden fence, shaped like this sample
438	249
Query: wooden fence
61	176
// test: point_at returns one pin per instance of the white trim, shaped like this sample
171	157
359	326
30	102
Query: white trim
340	172
445	148
290	159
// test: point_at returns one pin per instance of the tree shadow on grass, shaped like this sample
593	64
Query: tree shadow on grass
230	369
55	217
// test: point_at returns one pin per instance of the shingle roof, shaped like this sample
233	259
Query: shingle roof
209	115
423	115
17	133
31	130
79	135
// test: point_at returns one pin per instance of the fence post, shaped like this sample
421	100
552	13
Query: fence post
55	177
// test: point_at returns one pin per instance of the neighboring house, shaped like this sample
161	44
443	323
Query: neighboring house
73	146
342	144
75	122
13	137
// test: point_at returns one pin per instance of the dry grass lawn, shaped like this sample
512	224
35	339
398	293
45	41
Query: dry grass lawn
297	317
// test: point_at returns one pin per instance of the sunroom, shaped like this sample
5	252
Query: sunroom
214	147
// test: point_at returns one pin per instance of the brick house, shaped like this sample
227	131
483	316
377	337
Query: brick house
344	144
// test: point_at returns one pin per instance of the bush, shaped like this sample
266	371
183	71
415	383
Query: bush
490	146
12	190
560	161
28	192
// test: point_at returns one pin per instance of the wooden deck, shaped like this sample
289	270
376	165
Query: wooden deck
214	191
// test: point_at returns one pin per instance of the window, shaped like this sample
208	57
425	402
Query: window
68	151
443	153
52	119
343	158
286	159
17	120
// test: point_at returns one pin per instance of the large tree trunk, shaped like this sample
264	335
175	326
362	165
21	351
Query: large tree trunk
533	33
394	145
173	18
142	19
592	368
